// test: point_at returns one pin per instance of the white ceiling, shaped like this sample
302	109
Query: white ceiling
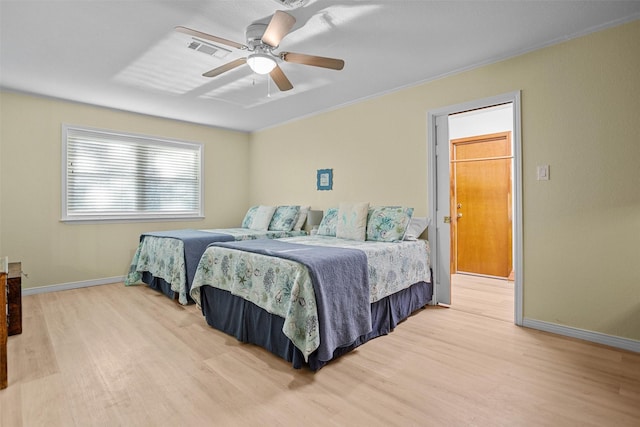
126	55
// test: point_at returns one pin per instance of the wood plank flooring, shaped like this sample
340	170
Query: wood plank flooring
116	355
483	296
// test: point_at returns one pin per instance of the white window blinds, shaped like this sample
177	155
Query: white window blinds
114	176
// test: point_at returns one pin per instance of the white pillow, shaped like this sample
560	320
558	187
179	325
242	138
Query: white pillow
262	218
352	221
416	227
302	217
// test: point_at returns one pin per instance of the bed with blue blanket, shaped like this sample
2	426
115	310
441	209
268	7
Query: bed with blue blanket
311	299
167	260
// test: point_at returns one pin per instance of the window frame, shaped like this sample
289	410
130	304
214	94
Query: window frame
133	139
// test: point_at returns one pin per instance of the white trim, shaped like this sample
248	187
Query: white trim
582	334
72	285
431	197
518	190
518	260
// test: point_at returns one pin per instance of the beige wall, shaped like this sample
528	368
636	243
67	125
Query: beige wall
580	114
53	252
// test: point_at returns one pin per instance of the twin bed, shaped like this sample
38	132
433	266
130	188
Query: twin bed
167	260
308	299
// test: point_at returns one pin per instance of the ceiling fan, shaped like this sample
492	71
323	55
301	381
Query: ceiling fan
262	40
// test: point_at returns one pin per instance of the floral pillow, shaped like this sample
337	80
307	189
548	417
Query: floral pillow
388	223
352	221
329	222
248	218
284	218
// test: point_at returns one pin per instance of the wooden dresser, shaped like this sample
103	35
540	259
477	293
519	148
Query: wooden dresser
3	330
10	312
14	298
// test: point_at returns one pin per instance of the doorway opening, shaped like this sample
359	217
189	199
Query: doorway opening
475	194
481	191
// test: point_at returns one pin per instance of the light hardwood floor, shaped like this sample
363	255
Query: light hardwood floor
113	355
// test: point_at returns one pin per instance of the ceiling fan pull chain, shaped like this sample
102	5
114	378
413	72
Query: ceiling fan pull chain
268	87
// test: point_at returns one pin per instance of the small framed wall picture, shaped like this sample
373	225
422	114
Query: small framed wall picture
325	179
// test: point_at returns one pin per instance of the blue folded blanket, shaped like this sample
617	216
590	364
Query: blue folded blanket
340	278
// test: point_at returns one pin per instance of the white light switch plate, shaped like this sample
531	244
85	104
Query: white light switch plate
543	173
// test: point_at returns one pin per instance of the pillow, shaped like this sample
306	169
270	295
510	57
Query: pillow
284	218
248	218
302	217
262	218
416	227
388	223
352	221
327	226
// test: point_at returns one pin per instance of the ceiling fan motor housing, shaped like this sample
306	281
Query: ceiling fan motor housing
254	35
292	3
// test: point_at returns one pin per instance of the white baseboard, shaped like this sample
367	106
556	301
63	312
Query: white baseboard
597	337
72	285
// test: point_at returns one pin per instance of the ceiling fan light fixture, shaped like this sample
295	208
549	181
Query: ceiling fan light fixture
261	63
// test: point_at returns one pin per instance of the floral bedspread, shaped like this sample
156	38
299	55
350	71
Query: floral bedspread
284	288
163	257
392	266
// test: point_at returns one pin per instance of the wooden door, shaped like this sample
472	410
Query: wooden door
481	205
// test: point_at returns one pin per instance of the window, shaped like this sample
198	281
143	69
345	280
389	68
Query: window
116	176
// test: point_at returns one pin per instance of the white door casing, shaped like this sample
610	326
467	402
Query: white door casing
441	227
438	197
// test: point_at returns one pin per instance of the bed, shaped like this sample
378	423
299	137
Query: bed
166	260
289	295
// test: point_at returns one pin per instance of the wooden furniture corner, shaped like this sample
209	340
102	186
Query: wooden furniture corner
14	299
3	330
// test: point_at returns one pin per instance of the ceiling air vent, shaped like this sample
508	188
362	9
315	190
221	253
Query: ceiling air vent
292	3
208	48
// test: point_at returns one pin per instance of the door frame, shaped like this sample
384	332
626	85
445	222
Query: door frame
440	266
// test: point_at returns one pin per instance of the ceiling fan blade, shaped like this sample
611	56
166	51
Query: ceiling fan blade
226	67
280	24
315	61
209	37
280	79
